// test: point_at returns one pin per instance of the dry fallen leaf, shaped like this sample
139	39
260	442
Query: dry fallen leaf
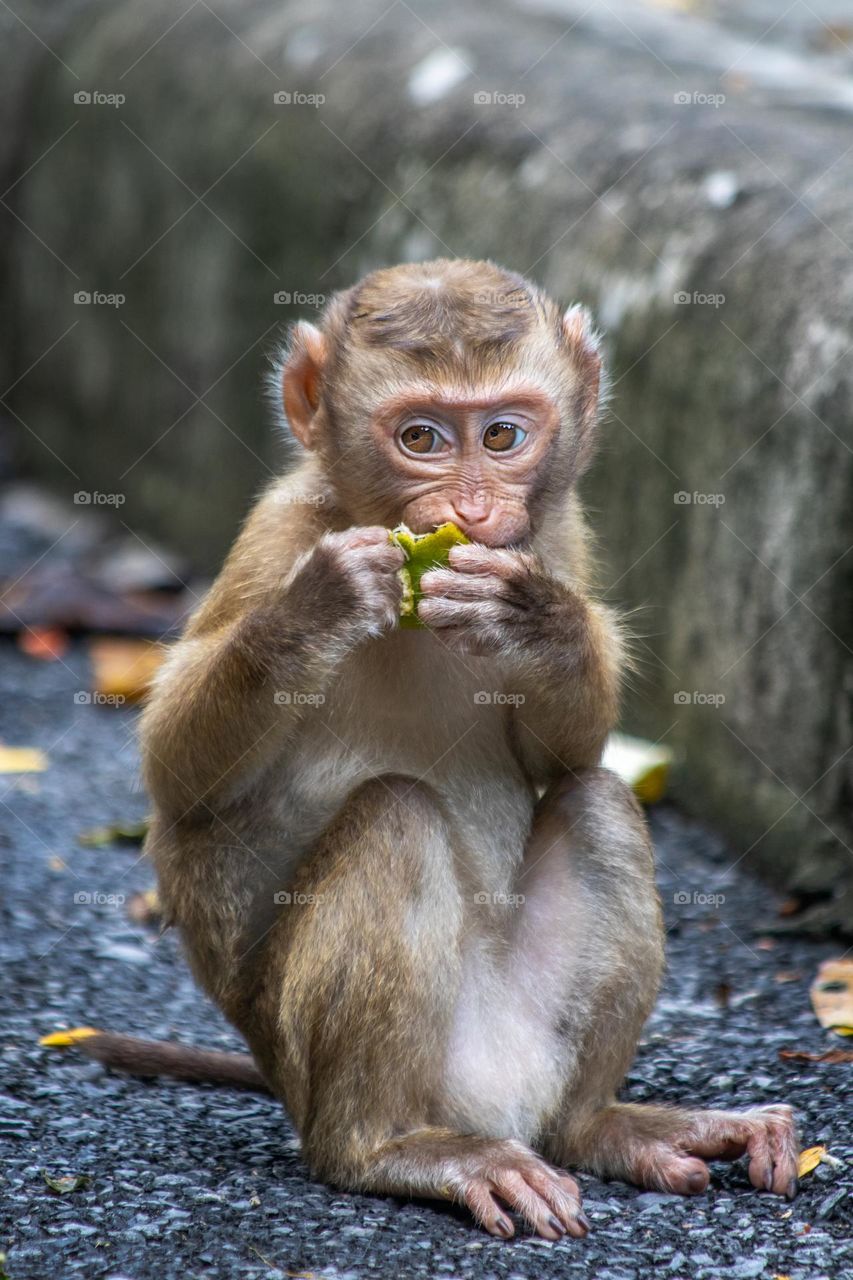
70	1182
115	833
145	908
809	1160
46	643
829	1055
22	760
62	1039
832	996
122	670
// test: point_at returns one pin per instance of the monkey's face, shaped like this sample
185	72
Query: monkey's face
446	391
477	458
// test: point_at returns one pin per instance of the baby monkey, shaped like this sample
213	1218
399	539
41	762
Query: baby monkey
394	858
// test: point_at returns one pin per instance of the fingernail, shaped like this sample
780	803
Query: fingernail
585	1222
793	1187
503	1226
556	1225
768	1180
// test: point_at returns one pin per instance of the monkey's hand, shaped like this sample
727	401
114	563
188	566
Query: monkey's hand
560	652
496	600
349	583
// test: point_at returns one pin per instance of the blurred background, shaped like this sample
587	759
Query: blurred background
182	179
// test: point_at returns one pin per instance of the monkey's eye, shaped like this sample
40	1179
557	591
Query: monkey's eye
421	438
500	437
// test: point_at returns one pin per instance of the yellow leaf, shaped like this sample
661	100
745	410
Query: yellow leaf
62	1039
122	670
832	996
22	760
809	1160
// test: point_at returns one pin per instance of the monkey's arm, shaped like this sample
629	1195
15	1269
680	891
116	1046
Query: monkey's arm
561	652
259	654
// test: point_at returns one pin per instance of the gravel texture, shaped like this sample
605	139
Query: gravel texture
190	1181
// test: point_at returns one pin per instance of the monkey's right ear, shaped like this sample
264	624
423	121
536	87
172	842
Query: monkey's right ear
301	378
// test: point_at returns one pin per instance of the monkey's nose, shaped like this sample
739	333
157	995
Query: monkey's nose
471	511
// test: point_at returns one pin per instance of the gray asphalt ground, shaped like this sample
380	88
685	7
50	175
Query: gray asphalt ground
192	1182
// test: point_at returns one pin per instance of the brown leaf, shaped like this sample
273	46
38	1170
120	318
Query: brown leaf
829	1055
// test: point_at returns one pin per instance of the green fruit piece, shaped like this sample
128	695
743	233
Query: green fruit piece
422	551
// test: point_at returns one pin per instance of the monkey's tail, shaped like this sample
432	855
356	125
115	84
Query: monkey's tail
161	1058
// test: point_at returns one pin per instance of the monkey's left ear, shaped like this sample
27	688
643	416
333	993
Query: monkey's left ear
303	370
582	344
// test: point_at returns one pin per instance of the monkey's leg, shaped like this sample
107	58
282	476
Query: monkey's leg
588	881
351	1019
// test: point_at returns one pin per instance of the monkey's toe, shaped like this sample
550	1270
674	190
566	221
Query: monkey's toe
546	1198
661	1167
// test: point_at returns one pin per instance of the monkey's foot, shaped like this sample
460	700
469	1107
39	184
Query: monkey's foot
508	1172
666	1149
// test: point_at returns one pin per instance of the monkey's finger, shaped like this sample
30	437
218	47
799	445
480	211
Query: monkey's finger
475	558
365	535
513	1186
439	611
486	1209
457	586
380	556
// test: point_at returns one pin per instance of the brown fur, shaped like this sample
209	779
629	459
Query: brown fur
437	967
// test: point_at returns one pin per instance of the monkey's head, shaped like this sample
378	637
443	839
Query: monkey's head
446	390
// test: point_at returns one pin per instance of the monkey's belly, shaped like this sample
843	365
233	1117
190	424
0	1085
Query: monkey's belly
404	705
